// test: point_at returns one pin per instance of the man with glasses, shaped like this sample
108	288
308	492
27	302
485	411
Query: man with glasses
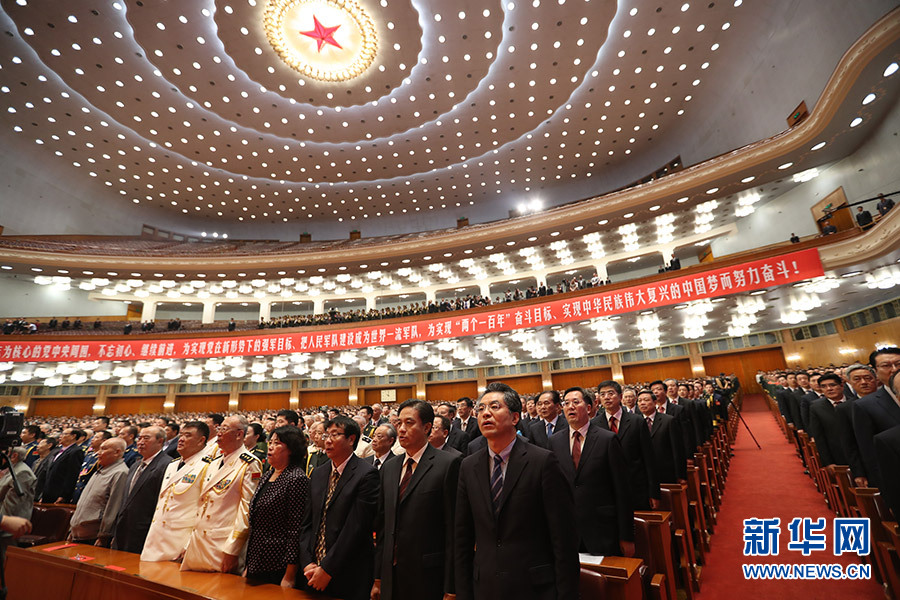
336	551
515	505
878	411
825	422
222	527
595	466
549	408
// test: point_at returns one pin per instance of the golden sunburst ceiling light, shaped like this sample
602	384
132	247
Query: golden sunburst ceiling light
327	40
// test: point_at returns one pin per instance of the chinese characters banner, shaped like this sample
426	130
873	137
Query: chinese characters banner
741	278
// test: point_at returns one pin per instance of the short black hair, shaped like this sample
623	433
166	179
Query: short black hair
831	377
554	396
347	426
368	410
258	430
289	415
295	441
422	408
201	427
469	402
35	431
103	418
510	396
130	429
613	384
52	441
657	382
173	426
880	351
450	406
588	397
104	434
445	422
216	418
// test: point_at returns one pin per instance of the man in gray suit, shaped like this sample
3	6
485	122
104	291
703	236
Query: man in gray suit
11	503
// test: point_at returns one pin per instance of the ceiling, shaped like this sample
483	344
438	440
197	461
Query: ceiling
185	113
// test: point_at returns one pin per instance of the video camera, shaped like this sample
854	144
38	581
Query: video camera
11	424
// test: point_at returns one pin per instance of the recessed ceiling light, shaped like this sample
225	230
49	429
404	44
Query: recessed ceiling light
603	222
712	190
682	200
655	208
868	99
628	215
856	121
891	69
786	165
819	146
748	179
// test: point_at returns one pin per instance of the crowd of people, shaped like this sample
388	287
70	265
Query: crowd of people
851	412
379	502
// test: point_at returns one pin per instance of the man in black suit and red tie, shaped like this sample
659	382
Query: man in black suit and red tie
62	473
668	407
549	407
416	507
635	442
336	550
593	462
665	439
515	505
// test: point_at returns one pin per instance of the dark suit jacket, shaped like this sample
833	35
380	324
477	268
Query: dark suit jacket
805	402
789	405
825	429
349	521
537	431
668	451
473	432
370	460
423	563
529	550
887	449
61	475
171	448
603	505
635	439
688	439
873	414
459	440
844	413
136	510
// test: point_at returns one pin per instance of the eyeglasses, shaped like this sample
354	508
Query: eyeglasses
328	436
492	406
573	402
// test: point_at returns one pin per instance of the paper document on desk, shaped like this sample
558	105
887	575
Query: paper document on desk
589	559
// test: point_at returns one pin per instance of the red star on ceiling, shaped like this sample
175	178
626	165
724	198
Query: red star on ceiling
323	35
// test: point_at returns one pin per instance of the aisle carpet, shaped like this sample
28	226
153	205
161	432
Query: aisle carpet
770	483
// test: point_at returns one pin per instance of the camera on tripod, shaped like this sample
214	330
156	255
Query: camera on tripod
11	424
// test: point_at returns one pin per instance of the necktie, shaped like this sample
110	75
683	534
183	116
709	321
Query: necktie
320	544
377	464
649	423
496	483
549	430
407	475
576	448
137	475
180	466
612	425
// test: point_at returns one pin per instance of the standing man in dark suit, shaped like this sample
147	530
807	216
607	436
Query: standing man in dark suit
59	485
439	436
336	550
887	449
872	414
825	422
668	407
416	508
515	505
383	440
635	441
592	460
455	436
665	439
809	397
549	408
466	421
140	492
170	446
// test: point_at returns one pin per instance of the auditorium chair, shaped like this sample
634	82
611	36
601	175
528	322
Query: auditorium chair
48	524
673	498
653	545
593	585
893	557
870	505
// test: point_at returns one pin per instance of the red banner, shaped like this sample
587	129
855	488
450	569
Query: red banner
742	278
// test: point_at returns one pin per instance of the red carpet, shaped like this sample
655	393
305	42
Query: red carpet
770	483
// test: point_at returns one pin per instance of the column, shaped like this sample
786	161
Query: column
294	399
546	376
169	402
667	255
420	386
480	380
318	306
617	373
430	295
148	313
602	273
484	289
353	394
24	402
697	366
99	407
265	310
370	301
209	312
541	278
234	396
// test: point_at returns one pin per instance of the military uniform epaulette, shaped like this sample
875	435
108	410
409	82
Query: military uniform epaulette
366	438
247	457
176	459
208	459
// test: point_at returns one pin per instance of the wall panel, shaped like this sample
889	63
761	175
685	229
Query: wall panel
529	384
202	403
586	379
131	405
265	400
451	391
647	372
312	399
63	407
745	365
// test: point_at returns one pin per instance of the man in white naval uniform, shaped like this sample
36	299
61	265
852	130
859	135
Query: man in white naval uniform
179	497
220	536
